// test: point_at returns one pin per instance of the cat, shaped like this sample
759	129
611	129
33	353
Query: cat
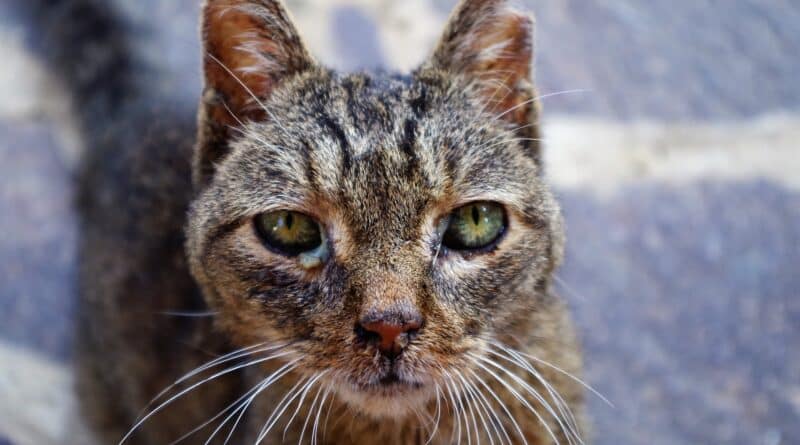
369	256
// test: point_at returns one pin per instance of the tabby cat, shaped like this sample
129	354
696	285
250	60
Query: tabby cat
333	258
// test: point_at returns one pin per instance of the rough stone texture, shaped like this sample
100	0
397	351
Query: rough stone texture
688	299
677	60
38	406
37	240
687	294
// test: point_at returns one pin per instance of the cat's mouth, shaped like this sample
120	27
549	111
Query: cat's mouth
392	381
391	384
386	396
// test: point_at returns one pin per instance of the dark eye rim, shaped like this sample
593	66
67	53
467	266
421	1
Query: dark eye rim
489	247
283	250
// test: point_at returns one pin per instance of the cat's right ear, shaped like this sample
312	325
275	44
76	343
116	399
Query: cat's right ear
490	44
249	48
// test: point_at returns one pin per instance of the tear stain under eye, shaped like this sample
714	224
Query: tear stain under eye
308	261
441	228
315	258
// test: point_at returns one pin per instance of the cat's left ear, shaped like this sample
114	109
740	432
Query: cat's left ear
491	44
249	48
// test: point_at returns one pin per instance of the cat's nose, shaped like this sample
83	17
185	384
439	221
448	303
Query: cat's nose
391	336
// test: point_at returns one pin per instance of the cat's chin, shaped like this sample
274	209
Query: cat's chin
388	398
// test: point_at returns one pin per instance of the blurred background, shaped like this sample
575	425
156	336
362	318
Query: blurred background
672	139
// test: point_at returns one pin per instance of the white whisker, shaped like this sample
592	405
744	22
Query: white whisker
233	355
570	290
536	395
563	409
235	117
189	314
285	369
218	415
543	96
291	393
438	415
504	84
576	379
276	415
308	416
250	92
469	406
509	141
306	388
325	422
423	419
456	414
502	406
319	412
496	422
561	404
194	386
462	410
518	396
472	402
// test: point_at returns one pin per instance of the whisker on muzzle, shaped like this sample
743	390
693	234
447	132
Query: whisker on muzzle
195	386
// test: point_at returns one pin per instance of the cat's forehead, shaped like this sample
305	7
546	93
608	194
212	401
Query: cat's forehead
369	115
379	144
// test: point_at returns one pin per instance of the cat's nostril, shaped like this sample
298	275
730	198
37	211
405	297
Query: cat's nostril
365	335
388	335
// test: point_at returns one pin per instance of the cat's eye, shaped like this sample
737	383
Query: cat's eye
474	226
290	233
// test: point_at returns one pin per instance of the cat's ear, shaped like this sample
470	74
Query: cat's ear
491	43
249	48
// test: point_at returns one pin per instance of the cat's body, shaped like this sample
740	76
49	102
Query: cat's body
401	339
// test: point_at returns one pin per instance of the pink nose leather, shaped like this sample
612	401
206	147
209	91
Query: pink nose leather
388	333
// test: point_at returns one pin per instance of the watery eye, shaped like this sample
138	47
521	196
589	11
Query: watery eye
290	233
474	226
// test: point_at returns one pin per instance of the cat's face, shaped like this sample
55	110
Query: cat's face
379	228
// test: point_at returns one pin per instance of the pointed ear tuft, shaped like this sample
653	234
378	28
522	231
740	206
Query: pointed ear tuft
249	47
491	43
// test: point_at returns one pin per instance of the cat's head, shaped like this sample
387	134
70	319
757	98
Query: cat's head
382	227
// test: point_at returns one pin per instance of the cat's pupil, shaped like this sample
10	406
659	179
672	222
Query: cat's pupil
475	215
289	221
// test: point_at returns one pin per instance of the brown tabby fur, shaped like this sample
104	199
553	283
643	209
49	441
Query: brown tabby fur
378	159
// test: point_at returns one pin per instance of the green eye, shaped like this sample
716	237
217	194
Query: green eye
474	226
290	233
